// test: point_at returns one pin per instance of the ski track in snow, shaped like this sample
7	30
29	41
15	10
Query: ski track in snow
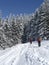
26	54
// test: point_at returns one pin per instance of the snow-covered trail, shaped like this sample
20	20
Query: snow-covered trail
26	54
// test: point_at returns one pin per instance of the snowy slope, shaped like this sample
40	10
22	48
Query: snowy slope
26	54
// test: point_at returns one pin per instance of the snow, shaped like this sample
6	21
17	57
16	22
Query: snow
26	54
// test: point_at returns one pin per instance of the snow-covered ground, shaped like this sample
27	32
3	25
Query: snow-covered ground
26	54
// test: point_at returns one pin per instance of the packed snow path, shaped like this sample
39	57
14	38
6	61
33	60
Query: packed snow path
26	54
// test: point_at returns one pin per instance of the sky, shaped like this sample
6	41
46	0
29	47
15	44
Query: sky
19	6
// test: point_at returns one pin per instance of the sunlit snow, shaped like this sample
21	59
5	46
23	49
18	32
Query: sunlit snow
26	54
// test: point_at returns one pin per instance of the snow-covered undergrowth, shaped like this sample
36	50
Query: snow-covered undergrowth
26	54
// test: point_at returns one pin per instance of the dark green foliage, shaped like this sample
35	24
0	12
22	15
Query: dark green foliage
24	35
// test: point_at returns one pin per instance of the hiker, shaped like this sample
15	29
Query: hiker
39	41
30	40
